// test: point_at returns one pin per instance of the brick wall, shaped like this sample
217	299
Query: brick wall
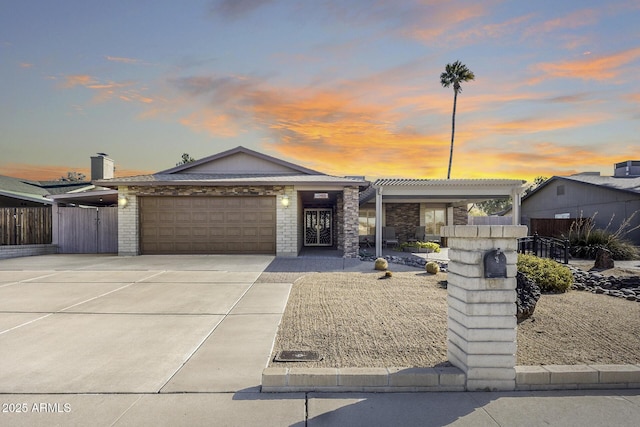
179	190
405	217
17	251
460	215
128	230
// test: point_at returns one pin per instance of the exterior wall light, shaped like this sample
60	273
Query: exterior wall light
285	201
123	201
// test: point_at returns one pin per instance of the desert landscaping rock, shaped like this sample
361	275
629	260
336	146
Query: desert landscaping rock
620	287
527	296
357	320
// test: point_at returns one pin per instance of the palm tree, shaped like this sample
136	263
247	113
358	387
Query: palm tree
455	74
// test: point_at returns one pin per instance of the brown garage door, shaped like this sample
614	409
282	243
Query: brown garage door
208	225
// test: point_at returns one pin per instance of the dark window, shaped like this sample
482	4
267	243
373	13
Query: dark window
560	190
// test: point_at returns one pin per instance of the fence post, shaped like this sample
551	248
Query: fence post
567	245
535	243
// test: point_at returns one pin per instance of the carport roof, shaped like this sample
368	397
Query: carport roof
448	190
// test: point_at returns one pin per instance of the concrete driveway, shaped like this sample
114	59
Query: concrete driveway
147	324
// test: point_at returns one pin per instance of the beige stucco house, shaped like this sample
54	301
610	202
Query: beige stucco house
244	202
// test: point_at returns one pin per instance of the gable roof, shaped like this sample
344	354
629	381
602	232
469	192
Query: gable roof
228	162
626	184
238	166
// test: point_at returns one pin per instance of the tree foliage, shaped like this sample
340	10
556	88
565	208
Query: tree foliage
494	206
186	158
73	176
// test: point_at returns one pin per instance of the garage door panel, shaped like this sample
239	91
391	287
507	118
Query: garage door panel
190	224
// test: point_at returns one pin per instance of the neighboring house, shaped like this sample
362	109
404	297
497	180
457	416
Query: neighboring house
65	227
610	200
245	202
21	193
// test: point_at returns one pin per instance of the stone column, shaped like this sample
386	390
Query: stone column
350	222
481	335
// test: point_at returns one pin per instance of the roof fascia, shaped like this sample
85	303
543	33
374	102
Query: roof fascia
25	197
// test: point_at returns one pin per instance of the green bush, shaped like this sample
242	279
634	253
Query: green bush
425	245
547	273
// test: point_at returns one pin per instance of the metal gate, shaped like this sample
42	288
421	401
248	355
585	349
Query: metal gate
87	230
318	230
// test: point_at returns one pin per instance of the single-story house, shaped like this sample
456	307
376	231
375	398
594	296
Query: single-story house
245	202
609	200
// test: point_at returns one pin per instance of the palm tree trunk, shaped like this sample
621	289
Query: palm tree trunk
453	131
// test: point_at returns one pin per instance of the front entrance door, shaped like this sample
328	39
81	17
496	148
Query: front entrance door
317	227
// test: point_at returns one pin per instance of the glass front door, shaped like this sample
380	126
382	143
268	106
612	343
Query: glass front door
317	227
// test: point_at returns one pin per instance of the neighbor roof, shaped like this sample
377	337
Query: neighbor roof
631	185
36	191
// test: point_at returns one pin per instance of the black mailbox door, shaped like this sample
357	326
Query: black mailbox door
495	264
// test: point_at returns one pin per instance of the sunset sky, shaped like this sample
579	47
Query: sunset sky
347	87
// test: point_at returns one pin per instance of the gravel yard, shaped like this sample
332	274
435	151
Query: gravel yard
361	320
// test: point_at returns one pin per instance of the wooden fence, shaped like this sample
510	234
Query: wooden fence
87	230
25	226
555	227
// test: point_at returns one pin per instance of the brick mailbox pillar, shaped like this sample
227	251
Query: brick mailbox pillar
481	335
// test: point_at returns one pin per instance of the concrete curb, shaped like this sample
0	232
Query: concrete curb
528	378
362	379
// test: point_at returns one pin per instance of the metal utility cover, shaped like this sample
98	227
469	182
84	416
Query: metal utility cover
296	356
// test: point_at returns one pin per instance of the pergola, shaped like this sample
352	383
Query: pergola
452	192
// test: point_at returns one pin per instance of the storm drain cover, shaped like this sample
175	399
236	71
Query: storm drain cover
296	356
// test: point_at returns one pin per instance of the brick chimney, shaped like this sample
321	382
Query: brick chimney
102	167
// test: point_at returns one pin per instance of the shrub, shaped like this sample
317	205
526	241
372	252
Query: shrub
432	267
388	274
424	245
585	240
381	264
546	273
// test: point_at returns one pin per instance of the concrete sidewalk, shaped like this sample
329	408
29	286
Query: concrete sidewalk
566	408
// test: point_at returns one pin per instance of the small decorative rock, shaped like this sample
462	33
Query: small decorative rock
381	264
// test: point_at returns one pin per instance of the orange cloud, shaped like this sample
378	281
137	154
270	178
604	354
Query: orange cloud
107	90
77	80
437	22
535	125
590	68
633	97
55	172
493	30
216	124
577	19
542	159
